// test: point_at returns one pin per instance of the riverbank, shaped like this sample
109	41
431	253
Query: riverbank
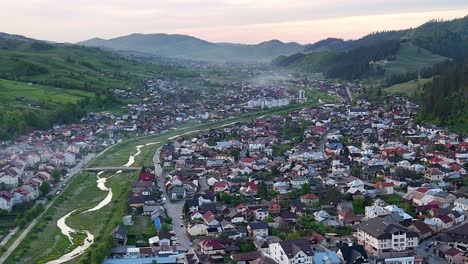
83	192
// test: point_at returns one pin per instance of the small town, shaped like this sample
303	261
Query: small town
332	183
238	132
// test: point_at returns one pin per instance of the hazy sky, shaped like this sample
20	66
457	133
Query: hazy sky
241	21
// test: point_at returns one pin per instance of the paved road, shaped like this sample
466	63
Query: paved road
322	141
174	210
72	172
202	180
8	237
431	257
350	95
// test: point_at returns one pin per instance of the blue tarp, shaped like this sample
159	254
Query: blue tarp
157	223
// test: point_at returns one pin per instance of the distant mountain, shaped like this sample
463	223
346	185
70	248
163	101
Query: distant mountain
187	47
4	35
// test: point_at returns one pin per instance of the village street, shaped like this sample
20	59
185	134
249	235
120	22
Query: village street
174	210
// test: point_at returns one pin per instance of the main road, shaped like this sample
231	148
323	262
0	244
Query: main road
174	209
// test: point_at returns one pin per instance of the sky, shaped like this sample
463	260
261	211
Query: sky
236	21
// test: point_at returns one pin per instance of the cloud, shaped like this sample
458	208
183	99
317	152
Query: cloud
247	21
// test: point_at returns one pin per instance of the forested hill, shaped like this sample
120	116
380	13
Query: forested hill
353	64
188	47
428	44
445	99
43	83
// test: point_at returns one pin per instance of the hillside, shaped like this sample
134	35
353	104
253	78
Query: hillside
445	98
187	47
352	64
410	58
422	47
411	89
336	44
43	83
67	66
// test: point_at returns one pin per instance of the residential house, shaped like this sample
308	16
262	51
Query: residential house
292	252
309	199
274	208
327	257
461	203
352	254
120	235
258	229
197	229
386	188
212	247
6	201
260	214
434	174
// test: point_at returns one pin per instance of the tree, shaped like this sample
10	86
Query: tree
225	198
305	189
235	153
358	205
268	219
246	246
56	174
45	188
356	170
293	236
165	227
332	195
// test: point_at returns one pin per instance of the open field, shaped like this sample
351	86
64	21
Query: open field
410	59
45	242
69	66
35	94
410	89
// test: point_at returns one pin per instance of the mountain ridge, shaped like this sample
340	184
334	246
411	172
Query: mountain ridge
189	47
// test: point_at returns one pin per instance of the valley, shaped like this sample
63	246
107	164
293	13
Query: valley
166	148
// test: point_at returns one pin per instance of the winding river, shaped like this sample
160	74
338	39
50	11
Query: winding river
101	184
68	231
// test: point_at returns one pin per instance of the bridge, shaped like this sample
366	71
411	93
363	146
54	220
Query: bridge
96	169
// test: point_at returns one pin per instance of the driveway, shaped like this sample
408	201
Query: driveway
174	210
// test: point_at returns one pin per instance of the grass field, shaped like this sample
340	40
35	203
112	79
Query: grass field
410	89
45	242
35	94
410	59
69	66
